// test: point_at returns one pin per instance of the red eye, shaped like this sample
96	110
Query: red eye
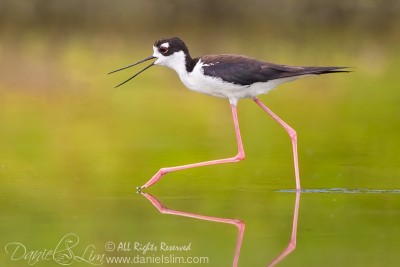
163	49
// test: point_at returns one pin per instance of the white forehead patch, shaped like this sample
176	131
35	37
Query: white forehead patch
166	45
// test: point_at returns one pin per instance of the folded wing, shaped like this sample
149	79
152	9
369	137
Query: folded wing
244	70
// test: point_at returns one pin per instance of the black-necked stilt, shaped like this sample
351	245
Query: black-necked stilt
227	76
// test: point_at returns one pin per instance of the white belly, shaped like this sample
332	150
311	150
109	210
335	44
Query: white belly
198	82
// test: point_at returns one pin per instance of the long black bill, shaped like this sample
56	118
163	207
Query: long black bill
146	59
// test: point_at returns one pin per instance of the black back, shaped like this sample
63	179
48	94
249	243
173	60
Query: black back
244	70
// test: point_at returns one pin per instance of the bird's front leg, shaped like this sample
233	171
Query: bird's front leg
239	156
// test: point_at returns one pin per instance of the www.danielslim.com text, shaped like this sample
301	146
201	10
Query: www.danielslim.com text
162	259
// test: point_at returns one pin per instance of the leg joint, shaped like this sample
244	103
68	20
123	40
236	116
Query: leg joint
239	157
292	133
163	171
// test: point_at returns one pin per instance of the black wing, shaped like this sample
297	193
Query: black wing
244	70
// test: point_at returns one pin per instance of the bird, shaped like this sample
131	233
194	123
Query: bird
228	76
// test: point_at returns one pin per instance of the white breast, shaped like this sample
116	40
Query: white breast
198	82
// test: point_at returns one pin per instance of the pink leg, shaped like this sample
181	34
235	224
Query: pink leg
240	156
292	135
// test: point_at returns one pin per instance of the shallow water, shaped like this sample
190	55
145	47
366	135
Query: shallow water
335	227
71	158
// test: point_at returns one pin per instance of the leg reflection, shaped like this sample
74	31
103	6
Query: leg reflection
239	224
292	243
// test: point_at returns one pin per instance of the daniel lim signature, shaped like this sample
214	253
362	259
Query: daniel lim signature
64	253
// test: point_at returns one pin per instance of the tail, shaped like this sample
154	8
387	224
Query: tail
322	70
285	71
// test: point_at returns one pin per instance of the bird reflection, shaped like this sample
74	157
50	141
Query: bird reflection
238	223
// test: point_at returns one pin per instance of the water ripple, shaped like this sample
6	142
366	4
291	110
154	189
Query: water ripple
343	191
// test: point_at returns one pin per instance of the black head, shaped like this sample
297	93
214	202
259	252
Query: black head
168	46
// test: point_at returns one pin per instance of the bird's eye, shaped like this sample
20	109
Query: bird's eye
163	49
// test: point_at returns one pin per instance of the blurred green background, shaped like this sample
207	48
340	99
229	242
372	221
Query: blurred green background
73	148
